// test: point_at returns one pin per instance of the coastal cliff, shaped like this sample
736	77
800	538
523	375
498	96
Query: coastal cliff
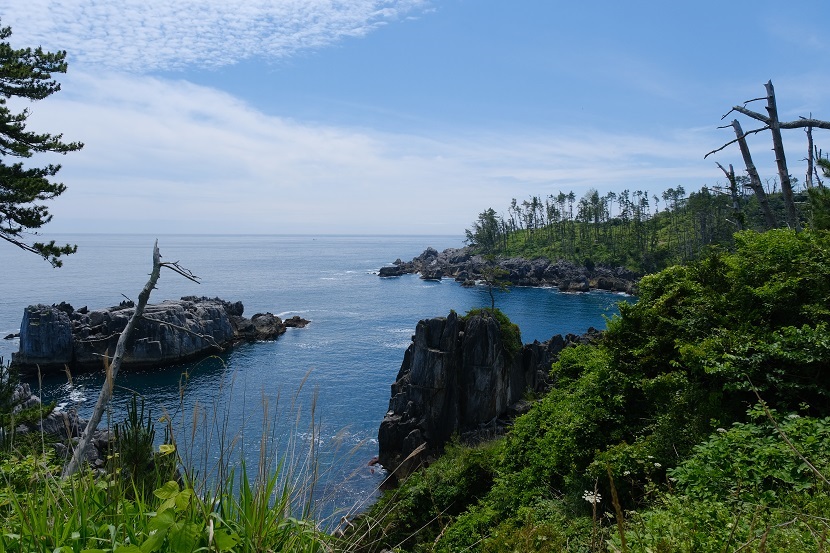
171	332
466	267
461	376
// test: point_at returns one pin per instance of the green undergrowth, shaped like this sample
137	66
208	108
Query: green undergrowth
149	498
699	422
511	336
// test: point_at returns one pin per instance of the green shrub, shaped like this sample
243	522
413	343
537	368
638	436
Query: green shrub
511	335
416	512
753	463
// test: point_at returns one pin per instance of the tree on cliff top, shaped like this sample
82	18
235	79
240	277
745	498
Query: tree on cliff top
27	74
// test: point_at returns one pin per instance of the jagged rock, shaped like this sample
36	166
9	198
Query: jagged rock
432	273
458	378
463	266
171	332
295	322
391	271
45	336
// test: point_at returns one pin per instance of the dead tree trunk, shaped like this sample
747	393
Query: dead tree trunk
772	123
112	368
754	178
733	192
781	159
810	160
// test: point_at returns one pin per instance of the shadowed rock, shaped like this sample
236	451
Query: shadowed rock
457	378
171	332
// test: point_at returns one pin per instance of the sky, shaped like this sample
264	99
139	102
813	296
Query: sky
402	116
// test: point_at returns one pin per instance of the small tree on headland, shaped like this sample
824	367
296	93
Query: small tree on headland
27	73
494	278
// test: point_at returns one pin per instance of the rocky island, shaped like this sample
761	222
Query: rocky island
466	267
171	332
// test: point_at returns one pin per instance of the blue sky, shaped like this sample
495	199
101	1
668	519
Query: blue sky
402	116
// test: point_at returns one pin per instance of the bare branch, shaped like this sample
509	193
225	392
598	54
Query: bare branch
805	123
749	112
205	337
738	139
186	273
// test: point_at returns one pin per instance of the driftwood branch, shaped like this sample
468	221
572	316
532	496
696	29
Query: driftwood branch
74	464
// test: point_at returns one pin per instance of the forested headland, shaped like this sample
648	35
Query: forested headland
642	231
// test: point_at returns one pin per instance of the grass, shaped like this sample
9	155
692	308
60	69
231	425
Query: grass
167	498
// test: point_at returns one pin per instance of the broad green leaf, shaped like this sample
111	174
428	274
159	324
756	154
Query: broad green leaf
224	540
170	489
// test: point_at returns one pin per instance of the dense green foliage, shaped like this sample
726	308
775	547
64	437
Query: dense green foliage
663	413
643	232
27	74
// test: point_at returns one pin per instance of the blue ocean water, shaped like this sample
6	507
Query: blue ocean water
326	386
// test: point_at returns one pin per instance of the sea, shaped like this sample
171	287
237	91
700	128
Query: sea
314	397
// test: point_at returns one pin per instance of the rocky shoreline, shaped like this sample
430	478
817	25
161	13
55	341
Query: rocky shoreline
466	267
172	332
63	428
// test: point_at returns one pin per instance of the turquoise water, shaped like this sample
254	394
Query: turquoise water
340	367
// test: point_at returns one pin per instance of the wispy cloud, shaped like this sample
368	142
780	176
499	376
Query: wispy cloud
149	35
195	159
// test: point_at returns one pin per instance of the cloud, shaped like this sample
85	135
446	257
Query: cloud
152	35
170	156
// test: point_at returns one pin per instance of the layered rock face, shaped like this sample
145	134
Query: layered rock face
463	266
458	379
171	332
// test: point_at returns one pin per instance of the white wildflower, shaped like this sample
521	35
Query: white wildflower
657	465
722	430
592	497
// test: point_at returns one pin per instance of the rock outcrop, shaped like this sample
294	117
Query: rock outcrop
171	332
62	427
458	378
465	267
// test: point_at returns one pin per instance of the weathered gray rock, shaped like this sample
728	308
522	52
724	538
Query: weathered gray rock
463	266
457	378
45	336
171	332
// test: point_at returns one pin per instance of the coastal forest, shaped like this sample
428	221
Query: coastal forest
644	232
698	421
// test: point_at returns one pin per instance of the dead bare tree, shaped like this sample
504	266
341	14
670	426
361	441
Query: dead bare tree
733	193
772	123
818	158
810	159
754	179
114	365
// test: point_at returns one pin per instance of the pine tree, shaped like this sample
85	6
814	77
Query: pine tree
27	74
